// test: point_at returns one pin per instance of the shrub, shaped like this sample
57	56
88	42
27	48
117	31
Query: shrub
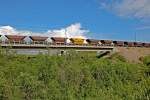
72	77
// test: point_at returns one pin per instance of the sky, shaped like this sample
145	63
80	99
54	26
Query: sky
98	19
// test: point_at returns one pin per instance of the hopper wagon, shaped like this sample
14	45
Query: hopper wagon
58	40
129	44
38	39
0	39
107	42
119	43
93	42
146	44
17	39
77	41
138	44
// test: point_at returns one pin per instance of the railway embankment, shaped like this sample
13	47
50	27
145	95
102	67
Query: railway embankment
133	54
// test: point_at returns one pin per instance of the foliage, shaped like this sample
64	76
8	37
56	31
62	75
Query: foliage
146	60
74	76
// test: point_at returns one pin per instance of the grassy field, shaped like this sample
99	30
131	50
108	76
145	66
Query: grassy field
73	77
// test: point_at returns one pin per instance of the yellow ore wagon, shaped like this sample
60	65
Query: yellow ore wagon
77	41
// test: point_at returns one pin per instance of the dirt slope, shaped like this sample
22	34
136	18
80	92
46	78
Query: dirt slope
134	53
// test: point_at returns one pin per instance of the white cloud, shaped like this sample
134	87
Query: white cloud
130	8
74	30
144	27
8	30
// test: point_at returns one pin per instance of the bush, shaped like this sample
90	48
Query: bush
72	77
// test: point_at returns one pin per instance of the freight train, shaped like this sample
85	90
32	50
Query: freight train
18	39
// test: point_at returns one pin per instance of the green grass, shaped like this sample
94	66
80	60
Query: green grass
72	77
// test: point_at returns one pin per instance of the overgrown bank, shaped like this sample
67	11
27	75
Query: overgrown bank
73	77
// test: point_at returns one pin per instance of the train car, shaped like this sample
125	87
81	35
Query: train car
119	43
129	44
146	44
107	42
149	44
58	40
38	39
138	44
0	39
15	39
93	42
77	41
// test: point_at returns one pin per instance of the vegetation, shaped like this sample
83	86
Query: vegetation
72	77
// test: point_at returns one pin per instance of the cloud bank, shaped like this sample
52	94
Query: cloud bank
72	31
129	8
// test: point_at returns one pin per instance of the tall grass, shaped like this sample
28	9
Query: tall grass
72	77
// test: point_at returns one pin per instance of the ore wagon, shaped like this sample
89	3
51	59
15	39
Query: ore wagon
58	40
77	41
17	39
38	39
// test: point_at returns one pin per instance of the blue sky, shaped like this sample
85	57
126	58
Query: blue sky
100	17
